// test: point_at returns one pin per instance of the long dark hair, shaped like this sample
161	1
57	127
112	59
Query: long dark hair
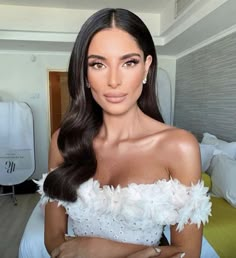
84	118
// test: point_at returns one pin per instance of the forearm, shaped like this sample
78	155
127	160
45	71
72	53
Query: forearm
55	226
52	242
189	240
103	248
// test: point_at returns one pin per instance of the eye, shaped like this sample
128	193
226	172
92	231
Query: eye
97	65
131	63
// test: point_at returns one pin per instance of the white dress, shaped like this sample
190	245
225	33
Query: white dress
137	213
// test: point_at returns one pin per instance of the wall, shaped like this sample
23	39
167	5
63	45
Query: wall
24	77
206	90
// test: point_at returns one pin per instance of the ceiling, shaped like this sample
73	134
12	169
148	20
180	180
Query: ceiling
184	35
215	25
150	6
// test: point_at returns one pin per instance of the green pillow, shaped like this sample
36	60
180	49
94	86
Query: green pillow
207	180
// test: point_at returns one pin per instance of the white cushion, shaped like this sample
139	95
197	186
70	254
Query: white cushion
209	139
228	148
223	177
207	152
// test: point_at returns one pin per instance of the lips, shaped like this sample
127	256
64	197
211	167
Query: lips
115	97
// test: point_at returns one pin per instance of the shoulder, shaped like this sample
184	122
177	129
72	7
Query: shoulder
54	138
182	153
180	139
55	135
55	157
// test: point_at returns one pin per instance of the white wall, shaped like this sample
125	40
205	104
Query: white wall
24	77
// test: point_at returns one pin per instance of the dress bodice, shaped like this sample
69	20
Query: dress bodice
136	213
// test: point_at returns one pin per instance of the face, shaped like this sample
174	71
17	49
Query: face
116	69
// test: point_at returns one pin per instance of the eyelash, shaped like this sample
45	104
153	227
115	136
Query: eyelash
131	62
94	64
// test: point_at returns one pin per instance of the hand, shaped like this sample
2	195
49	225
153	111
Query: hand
157	252
73	247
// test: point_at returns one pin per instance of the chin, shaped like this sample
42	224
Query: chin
117	111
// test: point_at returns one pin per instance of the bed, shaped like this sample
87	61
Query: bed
221	230
219	163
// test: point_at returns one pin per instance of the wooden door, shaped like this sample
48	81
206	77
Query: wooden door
59	98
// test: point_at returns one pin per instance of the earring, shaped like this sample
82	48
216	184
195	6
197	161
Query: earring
88	85
145	80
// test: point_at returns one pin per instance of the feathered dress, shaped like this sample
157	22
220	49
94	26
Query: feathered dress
137	213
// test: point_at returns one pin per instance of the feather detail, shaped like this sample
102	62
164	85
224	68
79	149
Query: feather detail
142	206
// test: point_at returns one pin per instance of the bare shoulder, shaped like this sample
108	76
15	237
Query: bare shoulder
182	153
172	138
55	157
54	138
179	138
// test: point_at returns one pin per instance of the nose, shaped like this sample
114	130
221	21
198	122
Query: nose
114	78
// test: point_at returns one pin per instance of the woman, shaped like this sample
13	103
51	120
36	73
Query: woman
121	173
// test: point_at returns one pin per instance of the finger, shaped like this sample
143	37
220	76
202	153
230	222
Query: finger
178	255
147	252
171	252
55	253
157	251
67	238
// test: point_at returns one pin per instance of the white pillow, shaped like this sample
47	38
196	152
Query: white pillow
228	148
223	178
207	152
209	139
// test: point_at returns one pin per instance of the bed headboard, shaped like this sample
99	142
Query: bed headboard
205	99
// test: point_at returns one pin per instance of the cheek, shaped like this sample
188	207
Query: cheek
135	79
95	97
97	80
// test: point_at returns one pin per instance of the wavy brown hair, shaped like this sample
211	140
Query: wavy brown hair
84	117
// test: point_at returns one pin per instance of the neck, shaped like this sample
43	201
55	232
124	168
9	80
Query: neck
116	128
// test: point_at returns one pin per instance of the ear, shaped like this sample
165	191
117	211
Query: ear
148	62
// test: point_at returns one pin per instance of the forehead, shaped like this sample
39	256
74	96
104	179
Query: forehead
113	40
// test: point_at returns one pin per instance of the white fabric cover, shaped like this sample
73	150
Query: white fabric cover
32	241
228	148
164	95
17	159
136	213
16	126
223	176
207	152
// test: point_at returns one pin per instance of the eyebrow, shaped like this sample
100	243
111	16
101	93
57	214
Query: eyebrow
121	58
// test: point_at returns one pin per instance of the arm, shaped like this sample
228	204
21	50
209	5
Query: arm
183	162
55	225
186	167
90	247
